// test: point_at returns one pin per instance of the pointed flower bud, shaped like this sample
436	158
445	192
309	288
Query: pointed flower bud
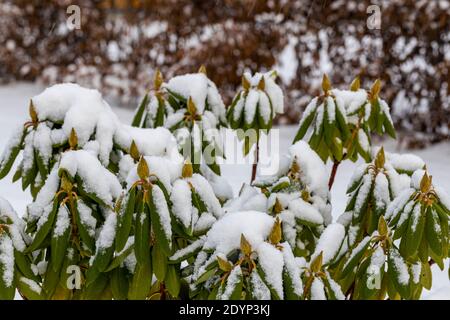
187	170
356	84
158	80
246	248
142	169
326	84
73	139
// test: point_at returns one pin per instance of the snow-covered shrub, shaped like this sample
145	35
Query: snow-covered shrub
376	269
419	217
298	194
68	111
15	269
189	105
161	214
242	257
121	207
255	105
338	123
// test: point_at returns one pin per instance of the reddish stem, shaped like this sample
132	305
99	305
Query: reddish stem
255	164
333	173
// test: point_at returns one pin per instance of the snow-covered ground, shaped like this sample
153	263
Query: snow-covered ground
14	100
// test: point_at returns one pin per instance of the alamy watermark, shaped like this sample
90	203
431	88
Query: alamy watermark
74	19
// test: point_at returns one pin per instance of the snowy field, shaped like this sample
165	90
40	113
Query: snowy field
14	101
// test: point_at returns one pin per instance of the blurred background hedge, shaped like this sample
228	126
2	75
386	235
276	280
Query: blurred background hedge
122	42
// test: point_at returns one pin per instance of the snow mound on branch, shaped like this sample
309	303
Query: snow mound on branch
225	234
250	198
95	124
96	178
15	225
201	90
314	173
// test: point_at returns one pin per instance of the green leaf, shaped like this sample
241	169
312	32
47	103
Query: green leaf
142	234
85	236
119	284
10	156
433	231
157	225
125	221
137	120
117	261
141	282
159	261
415	231
304	125
96	289
23	263
59	244
172	280
355	257
398	273
51	280
26	289
44	229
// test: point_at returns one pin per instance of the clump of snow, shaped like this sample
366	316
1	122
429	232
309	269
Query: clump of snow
401	268
225	235
352	101
250	198
232	281
182	202
107	233
318	290
16	225
96	178
271	262
45	195
162	210
62	221
405	162
330	242
312	169
259	289
7	259
97	128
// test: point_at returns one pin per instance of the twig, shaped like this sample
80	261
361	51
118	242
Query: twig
333	173
255	163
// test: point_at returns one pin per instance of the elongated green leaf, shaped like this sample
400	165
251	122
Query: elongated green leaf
119	284
141	282
11	155
159	262
45	228
137	120
172	280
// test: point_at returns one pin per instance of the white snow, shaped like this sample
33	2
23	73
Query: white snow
225	235
271	261
206	193
62	221
330	242
163	211
15	99
232	281
182	202
31	284
305	212
86	217
312	168
96	178
107	233
318	290
7	259
260	290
